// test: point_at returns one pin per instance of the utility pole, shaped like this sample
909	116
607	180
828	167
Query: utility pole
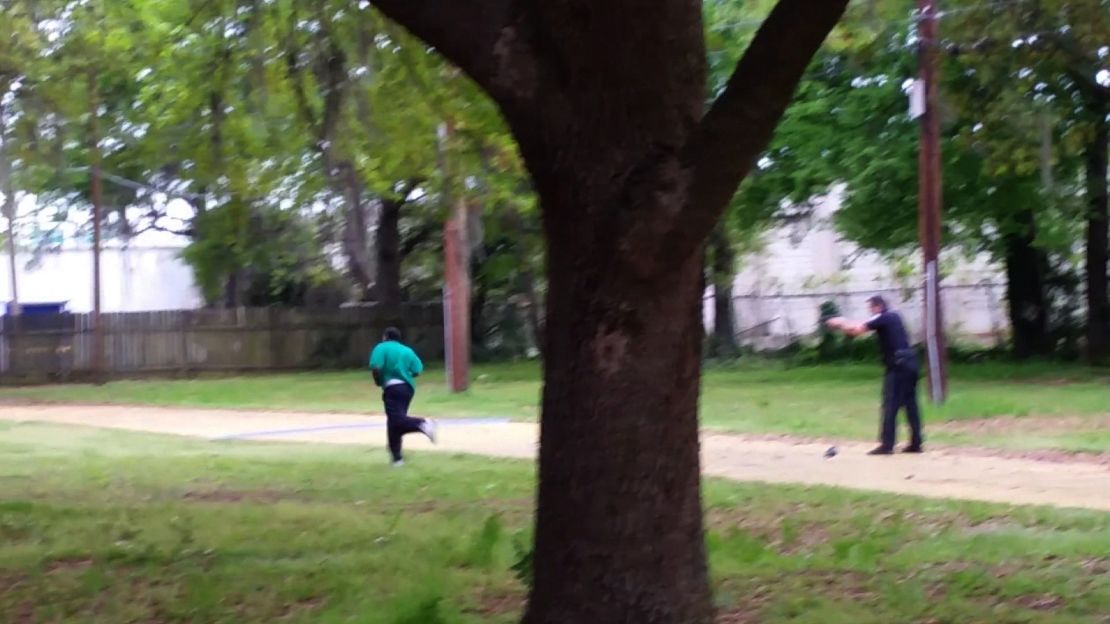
96	193
456	273
930	200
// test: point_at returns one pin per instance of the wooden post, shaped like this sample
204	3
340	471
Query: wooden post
930	201
96	195
456	306
185	321
456	274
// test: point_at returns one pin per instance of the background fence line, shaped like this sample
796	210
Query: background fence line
59	347
971	312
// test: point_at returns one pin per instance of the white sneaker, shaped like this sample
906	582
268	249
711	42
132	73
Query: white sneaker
398	463
430	428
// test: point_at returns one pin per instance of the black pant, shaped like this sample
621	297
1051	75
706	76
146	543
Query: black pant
397	399
900	390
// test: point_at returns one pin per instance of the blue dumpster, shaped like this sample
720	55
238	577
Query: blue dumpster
39	309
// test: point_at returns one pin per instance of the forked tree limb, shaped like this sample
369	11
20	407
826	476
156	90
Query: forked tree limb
486	39
741	122
475	35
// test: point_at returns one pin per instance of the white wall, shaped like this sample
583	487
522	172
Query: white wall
777	291
132	280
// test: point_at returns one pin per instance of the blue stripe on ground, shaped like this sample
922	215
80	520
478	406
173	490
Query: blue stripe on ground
455	422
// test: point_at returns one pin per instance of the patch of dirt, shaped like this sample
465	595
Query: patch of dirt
1047	602
508	508
9	581
236	496
1055	456
739	615
751	601
840	583
75	564
999	424
985	427
301	607
772	529
493	602
1096	567
1075	480
1046	455
992	525
25	614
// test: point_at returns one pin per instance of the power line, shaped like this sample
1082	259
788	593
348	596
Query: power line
139	186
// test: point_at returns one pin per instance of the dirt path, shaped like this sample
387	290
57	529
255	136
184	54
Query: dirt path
940	474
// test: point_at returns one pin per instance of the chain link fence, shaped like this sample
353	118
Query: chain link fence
972	313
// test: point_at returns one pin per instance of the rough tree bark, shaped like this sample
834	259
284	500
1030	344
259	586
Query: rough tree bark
1098	220
1026	269
606	102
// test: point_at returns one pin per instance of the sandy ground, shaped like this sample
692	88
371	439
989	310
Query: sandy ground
939	474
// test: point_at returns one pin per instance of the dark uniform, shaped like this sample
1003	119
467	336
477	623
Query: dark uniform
899	380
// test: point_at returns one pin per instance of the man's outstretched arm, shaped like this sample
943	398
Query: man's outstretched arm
846	327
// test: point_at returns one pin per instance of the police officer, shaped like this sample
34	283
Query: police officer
900	377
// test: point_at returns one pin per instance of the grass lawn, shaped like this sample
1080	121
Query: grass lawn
1044	405
105	526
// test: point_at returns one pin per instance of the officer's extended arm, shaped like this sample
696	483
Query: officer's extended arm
849	328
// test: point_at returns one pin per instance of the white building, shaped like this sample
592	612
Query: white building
133	279
778	290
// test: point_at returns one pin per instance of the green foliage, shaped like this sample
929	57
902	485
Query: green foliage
849	123
523	567
274	250
237	105
830	343
483	548
423	611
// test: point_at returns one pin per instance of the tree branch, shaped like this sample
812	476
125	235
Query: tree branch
296	80
482	37
334	79
740	124
418	237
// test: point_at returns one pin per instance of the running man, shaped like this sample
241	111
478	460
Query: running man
395	367
900	378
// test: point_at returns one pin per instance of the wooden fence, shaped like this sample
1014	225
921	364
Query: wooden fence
186	342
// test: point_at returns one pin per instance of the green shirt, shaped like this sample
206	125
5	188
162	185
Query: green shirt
395	361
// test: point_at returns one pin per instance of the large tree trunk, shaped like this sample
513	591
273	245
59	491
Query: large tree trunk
1026	268
1098	218
723	272
619	530
606	100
